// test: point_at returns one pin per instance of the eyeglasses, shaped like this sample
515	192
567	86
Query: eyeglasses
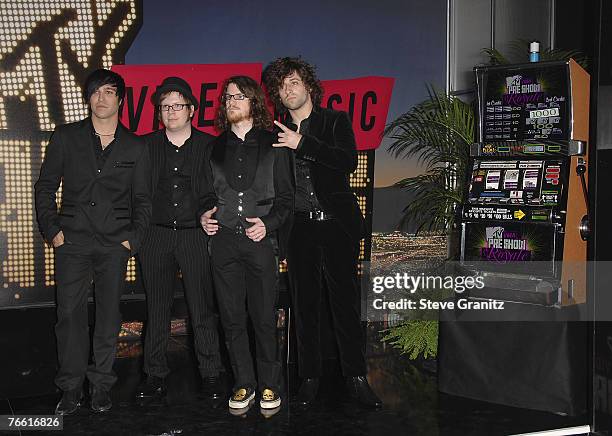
175	107
228	97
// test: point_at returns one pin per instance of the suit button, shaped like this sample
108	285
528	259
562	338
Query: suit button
99	170
93	203
175	169
240	194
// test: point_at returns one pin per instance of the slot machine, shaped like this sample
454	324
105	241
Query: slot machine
524	217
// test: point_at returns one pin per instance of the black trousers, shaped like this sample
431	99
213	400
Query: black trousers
162	253
75	268
320	249
245	275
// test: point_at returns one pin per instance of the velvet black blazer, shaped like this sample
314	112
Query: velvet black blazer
330	148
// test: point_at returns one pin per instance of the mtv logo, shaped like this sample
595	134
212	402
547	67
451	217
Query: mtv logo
494	232
513	80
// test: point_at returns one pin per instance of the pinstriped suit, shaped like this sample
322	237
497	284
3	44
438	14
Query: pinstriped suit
165	250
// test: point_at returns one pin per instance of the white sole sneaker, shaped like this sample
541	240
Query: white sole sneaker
270	404
234	404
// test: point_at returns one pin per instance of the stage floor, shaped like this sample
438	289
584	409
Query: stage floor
413	405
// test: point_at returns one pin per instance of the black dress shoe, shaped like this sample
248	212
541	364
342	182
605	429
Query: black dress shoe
70	402
212	388
360	390
100	400
151	387
308	391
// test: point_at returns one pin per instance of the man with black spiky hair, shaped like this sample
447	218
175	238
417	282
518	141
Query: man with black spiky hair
105	210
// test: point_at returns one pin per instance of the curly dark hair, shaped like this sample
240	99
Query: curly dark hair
277	71
259	111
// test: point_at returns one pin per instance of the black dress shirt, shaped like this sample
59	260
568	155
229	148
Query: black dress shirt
174	202
100	153
305	196
241	159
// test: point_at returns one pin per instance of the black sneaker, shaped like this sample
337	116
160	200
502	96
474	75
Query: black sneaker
151	387
241	398
359	390
70	402
100	400
269	399
212	388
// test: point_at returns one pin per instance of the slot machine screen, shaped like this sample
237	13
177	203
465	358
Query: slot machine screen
516	182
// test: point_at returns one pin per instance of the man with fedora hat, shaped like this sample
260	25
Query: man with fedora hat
176	239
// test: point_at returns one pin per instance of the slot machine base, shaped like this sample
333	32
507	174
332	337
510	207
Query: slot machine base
519	290
539	365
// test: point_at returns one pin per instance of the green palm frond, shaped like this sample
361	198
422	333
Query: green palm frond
495	56
414	338
437	133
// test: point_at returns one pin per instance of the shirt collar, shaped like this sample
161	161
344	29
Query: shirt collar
250	135
187	141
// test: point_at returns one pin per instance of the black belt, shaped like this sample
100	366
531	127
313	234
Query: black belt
315	215
175	227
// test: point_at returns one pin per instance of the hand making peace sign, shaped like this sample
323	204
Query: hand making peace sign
287	138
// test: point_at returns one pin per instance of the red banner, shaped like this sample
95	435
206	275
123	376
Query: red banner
365	99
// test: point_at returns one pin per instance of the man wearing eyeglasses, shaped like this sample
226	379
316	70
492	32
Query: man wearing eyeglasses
175	239
249	188
105	210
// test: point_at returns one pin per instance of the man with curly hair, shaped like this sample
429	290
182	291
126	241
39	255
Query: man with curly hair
326	227
248	196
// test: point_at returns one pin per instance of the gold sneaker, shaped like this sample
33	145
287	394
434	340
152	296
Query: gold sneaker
241	398
269	399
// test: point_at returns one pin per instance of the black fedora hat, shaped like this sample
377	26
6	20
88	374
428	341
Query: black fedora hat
170	84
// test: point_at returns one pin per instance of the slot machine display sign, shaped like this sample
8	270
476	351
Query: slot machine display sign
525	201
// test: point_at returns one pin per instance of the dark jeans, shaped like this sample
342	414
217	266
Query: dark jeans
75	268
162	253
245	275
320	249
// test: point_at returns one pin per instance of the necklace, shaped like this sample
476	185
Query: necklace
102	134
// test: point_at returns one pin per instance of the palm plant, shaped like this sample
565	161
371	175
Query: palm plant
437	132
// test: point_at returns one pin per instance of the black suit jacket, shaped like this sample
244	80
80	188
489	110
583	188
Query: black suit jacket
330	147
156	141
113	205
